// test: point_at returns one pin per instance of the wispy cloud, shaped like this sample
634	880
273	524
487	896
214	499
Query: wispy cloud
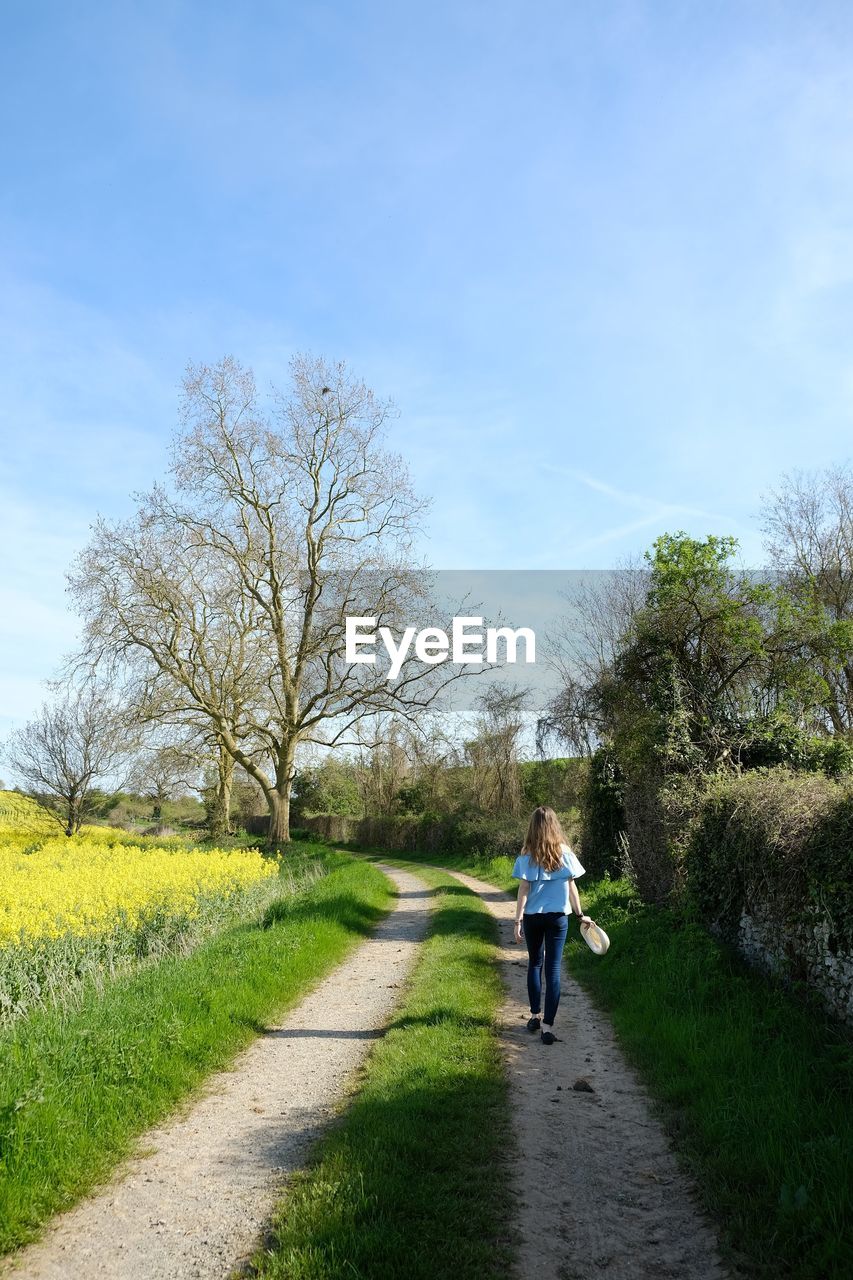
654	506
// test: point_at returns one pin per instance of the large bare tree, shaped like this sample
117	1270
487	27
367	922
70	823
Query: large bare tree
808	527
591	635
225	596
76	741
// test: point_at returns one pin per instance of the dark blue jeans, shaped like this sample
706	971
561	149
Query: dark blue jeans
545	934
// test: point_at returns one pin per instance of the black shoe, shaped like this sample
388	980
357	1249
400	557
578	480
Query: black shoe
534	1023
548	1037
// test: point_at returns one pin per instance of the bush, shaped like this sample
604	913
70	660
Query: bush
603	842
480	836
777	842
558	783
780	741
474	835
329	787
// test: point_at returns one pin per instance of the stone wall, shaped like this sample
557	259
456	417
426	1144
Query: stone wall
807	952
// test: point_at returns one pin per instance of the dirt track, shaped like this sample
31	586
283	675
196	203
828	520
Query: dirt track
597	1190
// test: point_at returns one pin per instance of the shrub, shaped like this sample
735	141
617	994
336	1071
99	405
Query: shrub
603	842
777	842
559	783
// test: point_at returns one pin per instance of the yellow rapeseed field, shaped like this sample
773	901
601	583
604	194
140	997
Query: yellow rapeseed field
19	815
92	905
86	888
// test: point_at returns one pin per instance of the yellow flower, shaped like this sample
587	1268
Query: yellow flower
97	881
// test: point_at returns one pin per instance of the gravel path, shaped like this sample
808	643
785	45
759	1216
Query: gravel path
196	1206
597	1189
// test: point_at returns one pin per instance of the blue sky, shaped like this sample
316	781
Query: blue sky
601	256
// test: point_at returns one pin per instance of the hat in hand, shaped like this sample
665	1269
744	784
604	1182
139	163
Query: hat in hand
595	937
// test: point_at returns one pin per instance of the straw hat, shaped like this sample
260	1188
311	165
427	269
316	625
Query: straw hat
595	937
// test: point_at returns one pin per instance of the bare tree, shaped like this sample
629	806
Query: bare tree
808	526
76	741
434	754
226	597
590	639
382	764
162	770
493	753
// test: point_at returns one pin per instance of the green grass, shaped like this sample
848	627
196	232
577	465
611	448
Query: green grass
412	1182
77	1087
754	1082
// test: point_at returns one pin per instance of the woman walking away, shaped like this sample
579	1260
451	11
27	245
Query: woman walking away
547	869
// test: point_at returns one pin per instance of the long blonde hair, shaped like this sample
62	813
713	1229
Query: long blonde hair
544	840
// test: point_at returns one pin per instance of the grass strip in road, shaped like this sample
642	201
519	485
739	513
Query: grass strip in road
412	1182
756	1083
77	1087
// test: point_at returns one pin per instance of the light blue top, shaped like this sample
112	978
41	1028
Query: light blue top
549	890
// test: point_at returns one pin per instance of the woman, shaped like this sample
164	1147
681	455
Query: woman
547	869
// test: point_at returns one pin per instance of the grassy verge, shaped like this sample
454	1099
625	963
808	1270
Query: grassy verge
412	1182
755	1082
77	1087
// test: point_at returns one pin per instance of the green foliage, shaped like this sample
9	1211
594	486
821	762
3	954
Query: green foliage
558	783
455	824
777	840
412	797
695	666
480	836
711	679
474	833
329	787
832	756
603	839
470	834
103	803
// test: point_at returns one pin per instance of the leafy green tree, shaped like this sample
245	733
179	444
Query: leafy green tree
328	787
697	669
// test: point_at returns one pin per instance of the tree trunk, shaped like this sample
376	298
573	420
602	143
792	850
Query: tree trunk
74	818
279	833
220	816
279	799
